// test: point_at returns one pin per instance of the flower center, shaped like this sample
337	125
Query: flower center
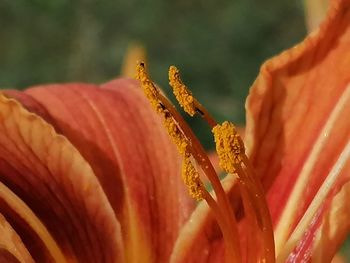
231	152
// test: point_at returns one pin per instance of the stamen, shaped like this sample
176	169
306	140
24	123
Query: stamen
188	145
232	159
251	227
231	151
189	173
152	95
259	204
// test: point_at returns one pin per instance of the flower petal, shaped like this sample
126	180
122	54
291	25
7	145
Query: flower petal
117	132
49	174
326	232
11	245
334	228
297	120
34	234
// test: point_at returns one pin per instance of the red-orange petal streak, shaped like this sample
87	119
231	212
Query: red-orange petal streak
31	230
51	177
11	243
117	132
297	119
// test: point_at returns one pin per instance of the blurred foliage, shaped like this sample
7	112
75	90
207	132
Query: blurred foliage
218	45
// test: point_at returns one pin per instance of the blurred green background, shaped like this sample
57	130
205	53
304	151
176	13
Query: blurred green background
218	45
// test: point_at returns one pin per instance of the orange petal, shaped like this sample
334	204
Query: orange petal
297	122
115	129
48	173
11	245
34	234
335	227
325	233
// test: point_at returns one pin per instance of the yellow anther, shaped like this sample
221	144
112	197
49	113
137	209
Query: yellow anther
191	178
175	134
148	87
182	93
153	96
229	146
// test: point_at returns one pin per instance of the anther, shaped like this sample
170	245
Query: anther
175	134
185	98
149	88
229	146
191	179
182	93
169	123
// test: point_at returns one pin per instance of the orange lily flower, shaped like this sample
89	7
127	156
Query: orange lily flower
87	173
